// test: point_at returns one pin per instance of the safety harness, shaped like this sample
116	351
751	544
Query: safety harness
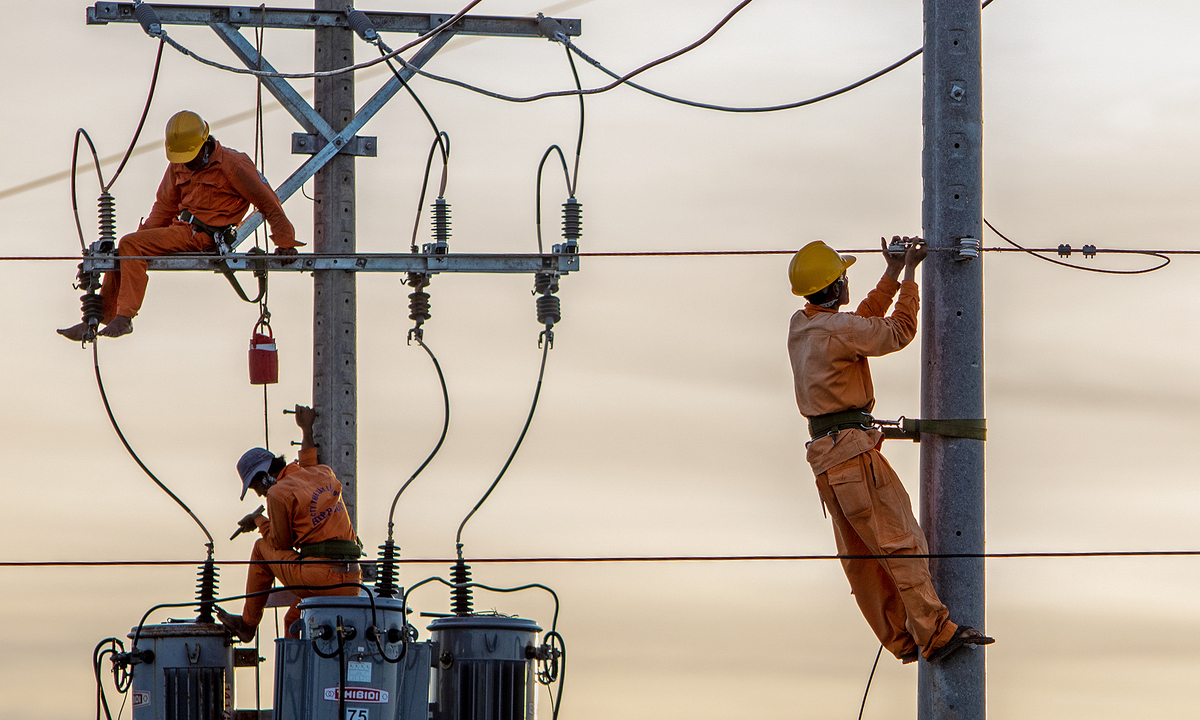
349	550
223	238
903	429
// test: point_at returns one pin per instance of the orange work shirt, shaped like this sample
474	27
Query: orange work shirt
219	194
305	506
829	352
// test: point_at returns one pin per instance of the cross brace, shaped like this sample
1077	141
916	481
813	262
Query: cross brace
325	143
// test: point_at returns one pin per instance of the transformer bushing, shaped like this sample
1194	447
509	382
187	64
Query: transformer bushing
484	668
308	686
189	676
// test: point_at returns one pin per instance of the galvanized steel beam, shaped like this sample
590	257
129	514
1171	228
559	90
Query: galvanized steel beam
103	13
562	263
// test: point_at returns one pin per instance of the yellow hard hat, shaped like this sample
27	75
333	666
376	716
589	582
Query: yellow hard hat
815	267
186	133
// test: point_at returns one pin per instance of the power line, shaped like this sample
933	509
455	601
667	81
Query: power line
576	560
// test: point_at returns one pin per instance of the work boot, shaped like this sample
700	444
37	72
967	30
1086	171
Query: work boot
118	326
74	333
236	625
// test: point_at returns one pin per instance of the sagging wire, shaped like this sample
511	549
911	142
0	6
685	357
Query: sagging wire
590	91
758	109
551	656
870	677
388	552
1088	251
521	438
208	572
153	27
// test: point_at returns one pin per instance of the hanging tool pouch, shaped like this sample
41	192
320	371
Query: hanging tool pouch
223	238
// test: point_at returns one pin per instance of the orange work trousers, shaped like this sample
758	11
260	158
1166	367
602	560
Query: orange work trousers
124	290
280	565
872	515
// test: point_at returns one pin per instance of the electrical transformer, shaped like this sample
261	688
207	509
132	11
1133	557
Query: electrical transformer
186	675
485	668
348	658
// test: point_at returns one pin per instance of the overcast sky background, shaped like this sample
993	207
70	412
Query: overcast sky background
667	423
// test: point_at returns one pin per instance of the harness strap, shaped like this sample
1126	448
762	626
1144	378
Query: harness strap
221	237
333	549
912	428
819	425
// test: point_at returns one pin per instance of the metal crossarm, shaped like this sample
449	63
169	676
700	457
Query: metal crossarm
103	13
559	262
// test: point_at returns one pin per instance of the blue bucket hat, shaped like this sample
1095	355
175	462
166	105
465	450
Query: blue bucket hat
252	462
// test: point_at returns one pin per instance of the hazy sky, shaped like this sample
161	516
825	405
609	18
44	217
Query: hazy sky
667	423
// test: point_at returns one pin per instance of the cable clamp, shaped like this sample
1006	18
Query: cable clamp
912	428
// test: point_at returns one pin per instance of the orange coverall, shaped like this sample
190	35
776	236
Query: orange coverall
218	195
871	512
304	506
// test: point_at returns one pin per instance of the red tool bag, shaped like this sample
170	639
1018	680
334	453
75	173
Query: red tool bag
264	360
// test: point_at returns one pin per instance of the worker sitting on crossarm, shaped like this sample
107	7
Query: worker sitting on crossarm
206	190
307	538
872	514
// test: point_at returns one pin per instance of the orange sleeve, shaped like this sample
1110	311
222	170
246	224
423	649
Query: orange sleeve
166	203
873	336
877	302
249	184
308	457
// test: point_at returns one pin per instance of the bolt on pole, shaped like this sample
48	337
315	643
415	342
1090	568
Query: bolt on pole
952	386
335	367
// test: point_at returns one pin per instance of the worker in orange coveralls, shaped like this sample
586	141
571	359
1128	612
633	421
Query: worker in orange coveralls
871	512
207	189
305	512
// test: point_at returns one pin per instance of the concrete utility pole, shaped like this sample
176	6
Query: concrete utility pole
335	365
952	468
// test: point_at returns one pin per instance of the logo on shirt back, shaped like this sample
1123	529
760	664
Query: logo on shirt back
323	515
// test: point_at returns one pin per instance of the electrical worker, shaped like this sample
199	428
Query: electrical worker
205	191
305	512
871	512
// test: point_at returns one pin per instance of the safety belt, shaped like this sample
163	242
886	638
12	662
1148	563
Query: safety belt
221	237
912	428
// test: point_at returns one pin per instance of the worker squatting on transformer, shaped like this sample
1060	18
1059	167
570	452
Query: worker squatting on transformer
305	512
871	512
206	190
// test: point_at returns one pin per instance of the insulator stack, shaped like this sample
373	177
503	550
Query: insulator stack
93	309
418	307
441	220
362	25
206	591
545	283
385	584
572	219
549	310
108	221
460	596
148	19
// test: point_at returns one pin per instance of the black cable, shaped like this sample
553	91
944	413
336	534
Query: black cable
538	191
536	393
112	419
1165	260
869	679
579	143
519	588
428	35
97	659
637	559
442	439
437	143
145	111
74	194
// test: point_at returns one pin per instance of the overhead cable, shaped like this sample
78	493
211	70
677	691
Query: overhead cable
1065	251
754	109
321	73
577	560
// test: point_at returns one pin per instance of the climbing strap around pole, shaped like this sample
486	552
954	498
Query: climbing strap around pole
333	549
912	428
